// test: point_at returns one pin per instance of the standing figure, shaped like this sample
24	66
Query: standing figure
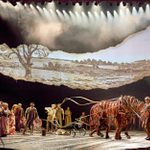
6	117
145	115
19	113
83	119
51	112
12	129
68	114
4	121
59	114
22	118
3	131
30	114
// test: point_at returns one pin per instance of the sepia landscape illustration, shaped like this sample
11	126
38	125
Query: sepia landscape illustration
101	69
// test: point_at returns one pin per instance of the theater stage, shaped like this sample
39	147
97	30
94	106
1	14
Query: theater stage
61	142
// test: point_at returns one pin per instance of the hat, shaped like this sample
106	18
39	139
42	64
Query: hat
147	99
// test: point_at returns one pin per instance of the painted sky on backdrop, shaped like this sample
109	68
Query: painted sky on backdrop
134	48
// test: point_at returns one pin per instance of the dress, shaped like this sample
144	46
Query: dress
68	118
59	115
12	129
4	126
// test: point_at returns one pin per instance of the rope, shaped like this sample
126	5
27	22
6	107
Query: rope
70	99
87	99
91	101
130	107
56	125
59	126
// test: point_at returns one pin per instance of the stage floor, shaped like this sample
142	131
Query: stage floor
61	142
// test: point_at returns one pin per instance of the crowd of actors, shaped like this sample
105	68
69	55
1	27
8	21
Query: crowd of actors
57	117
17	120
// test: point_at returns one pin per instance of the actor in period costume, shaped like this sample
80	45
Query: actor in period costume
51	116
59	114
68	118
145	115
19	113
12	129
83	119
31	114
4	121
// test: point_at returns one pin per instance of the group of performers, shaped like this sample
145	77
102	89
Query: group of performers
122	110
56	116
16	119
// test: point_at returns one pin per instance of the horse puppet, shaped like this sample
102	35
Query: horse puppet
118	111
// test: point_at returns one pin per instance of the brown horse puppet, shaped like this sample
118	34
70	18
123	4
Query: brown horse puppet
118	111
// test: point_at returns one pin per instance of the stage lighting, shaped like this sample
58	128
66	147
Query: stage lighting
124	3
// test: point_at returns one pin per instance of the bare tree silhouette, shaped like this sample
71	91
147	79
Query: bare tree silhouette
25	53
